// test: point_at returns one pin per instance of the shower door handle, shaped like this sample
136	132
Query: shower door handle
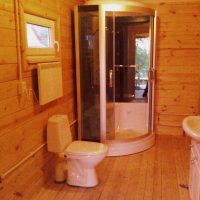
110	78
91	79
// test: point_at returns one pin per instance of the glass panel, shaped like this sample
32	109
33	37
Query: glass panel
110	77
89	72
38	36
125	61
132	57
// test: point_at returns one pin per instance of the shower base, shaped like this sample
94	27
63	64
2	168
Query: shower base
130	142
124	134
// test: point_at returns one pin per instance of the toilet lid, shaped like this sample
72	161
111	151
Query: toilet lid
86	148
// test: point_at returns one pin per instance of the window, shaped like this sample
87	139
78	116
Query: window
40	39
38	36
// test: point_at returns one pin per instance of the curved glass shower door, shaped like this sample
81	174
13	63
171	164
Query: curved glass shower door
129	84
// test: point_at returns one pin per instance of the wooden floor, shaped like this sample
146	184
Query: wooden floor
159	173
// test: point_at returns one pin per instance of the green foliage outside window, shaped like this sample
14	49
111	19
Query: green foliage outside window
142	57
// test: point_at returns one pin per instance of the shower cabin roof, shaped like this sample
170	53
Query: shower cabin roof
116	5
127	2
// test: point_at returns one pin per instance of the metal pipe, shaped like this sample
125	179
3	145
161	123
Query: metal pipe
126	66
73	122
78	64
154	68
102	60
18	40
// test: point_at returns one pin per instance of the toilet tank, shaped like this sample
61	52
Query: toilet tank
58	133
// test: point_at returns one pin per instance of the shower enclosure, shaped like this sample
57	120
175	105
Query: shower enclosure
115	74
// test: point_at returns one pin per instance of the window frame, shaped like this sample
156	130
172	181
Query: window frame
40	21
30	56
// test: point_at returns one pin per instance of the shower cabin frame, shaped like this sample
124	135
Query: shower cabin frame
102	9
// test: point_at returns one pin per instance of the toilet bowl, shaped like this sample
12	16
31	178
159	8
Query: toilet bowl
80	157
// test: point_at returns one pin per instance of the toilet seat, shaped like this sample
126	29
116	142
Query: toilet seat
84	148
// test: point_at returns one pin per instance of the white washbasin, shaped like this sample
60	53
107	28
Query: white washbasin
191	126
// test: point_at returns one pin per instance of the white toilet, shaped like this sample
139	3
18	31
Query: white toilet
80	157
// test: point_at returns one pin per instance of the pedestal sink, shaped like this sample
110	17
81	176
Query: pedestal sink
191	126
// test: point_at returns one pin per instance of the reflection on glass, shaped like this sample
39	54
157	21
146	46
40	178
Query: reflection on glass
38	36
89	73
131	57
142	45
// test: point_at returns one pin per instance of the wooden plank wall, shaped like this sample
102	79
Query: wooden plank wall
178	65
22	120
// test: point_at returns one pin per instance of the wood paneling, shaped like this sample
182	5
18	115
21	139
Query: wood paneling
8	36
8	72
7	19
7	5
22	120
8	55
178	65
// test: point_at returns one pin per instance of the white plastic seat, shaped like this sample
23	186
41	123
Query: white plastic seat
85	148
